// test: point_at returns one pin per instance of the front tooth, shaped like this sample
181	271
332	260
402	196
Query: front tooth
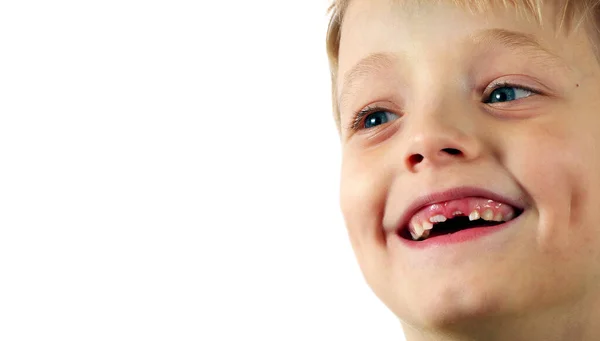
474	215
509	216
498	217
487	215
437	219
427	226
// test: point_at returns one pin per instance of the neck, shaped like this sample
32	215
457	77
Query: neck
576	322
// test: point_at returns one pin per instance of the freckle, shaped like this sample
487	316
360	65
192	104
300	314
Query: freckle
577	85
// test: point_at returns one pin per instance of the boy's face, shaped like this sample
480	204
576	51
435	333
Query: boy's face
469	109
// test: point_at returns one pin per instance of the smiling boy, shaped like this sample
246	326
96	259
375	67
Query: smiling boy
470	179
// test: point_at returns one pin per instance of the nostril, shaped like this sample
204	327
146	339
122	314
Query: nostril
452	151
415	159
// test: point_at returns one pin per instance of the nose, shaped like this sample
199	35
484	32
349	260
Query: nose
438	140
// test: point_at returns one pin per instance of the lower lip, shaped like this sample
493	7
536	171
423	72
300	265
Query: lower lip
462	236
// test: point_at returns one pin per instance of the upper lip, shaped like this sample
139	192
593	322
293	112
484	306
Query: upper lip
453	194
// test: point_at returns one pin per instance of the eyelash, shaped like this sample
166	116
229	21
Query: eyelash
506	84
360	115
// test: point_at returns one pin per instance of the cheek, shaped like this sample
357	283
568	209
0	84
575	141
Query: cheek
363	192
551	161
556	164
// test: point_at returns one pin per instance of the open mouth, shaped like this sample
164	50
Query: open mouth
457	215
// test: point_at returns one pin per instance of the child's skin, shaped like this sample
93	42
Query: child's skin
537	278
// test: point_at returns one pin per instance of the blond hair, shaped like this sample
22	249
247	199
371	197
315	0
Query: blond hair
571	14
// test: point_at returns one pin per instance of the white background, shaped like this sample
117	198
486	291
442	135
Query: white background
169	171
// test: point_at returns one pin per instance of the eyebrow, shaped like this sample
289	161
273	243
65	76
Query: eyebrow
373	63
523	43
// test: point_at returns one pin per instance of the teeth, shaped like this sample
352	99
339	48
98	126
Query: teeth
437	219
414	235
420	231
416	231
428	226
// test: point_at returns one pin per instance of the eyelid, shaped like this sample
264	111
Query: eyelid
518	81
507	84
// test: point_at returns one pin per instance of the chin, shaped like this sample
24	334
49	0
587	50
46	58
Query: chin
450	304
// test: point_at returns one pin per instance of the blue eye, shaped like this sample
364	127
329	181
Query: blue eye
507	94
379	117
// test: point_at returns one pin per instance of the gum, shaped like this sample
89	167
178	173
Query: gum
463	207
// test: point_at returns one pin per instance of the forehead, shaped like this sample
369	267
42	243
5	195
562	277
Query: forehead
368	24
410	31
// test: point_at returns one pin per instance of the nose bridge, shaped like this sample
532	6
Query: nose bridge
440	131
